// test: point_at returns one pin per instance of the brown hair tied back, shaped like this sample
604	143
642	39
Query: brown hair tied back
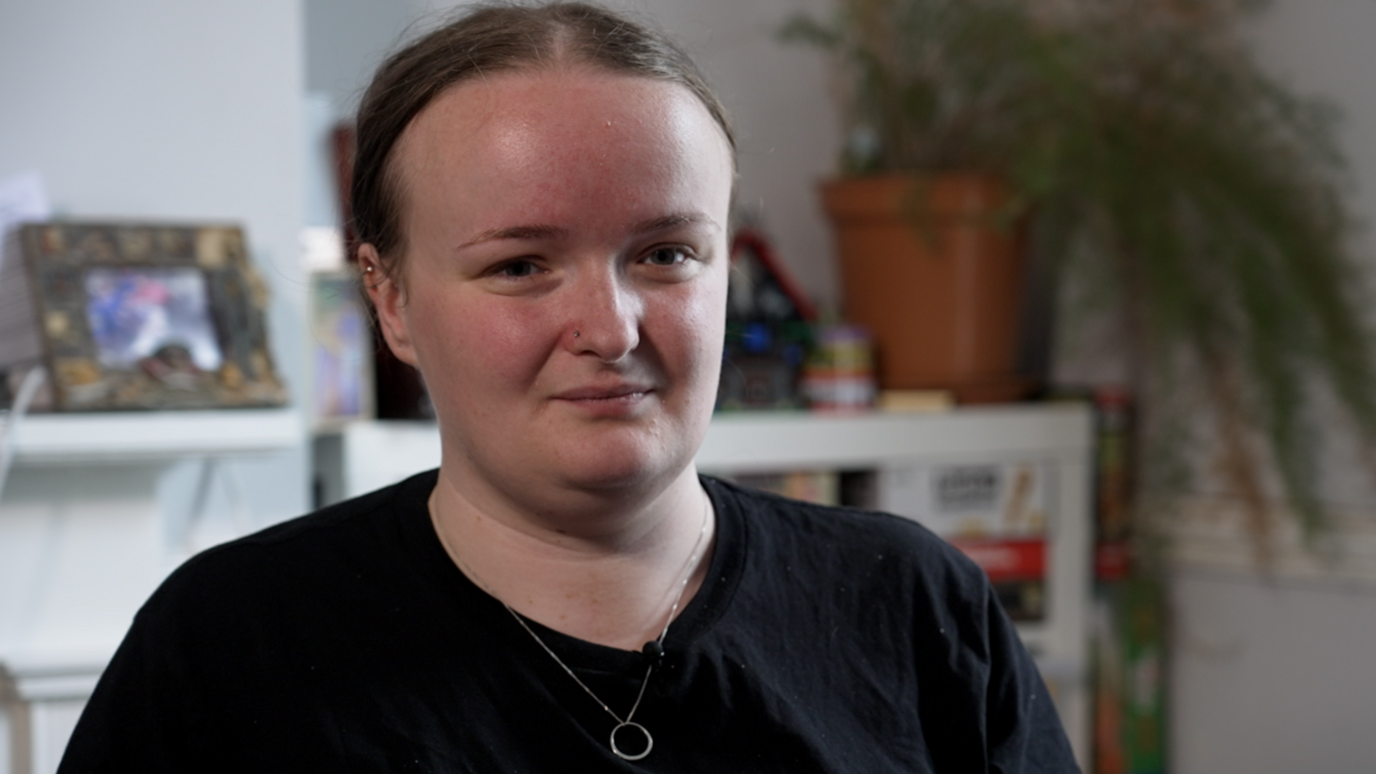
490	39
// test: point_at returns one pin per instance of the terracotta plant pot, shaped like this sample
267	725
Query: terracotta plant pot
932	267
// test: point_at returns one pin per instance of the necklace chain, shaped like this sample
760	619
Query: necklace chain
688	568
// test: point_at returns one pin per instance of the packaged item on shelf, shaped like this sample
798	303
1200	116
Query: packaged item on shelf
1129	633
341	348
815	486
899	401
1113	477
839	375
1129	660
996	512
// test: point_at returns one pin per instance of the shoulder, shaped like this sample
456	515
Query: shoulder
917	611
300	556
235	649
251	617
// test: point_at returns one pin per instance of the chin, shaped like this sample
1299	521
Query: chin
629	465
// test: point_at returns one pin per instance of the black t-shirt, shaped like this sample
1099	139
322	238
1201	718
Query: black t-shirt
823	640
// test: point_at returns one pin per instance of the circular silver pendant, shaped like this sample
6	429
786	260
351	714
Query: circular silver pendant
649	741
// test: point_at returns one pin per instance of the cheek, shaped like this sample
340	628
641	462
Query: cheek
474	345
702	323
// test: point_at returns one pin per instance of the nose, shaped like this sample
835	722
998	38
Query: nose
604	318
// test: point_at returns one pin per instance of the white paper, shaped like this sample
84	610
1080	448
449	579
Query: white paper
22	200
322	248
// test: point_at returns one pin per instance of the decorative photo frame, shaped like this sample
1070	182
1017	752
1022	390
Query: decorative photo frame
150	316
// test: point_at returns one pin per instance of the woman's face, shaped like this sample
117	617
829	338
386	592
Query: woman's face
563	286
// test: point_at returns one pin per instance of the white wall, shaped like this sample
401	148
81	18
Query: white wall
1275	677
346	39
1271	678
158	109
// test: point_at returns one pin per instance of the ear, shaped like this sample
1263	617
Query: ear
389	299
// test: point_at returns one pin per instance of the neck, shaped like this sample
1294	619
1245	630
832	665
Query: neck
609	579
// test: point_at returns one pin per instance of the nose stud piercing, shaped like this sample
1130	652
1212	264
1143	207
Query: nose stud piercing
576	334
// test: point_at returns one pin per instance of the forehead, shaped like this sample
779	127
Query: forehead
531	130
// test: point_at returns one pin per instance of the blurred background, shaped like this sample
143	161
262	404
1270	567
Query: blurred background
225	112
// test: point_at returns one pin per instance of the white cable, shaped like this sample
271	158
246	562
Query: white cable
242	519
199	504
27	390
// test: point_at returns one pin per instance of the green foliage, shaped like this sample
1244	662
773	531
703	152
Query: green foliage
1189	189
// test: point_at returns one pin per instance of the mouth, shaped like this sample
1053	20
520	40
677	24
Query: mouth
618	393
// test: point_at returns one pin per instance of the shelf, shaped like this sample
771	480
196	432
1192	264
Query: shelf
363	456
53	676
63	439
749	441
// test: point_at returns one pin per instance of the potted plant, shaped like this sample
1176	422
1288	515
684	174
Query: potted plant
929	229
1166	176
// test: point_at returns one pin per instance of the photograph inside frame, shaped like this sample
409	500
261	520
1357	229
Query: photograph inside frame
149	317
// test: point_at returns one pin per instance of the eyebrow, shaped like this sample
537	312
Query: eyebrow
517	232
670	221
544	232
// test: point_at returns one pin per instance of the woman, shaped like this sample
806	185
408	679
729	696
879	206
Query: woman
541	197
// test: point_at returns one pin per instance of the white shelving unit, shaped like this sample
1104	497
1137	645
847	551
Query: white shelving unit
358	458
83	542
75	439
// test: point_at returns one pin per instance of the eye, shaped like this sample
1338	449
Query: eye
517	268
667	256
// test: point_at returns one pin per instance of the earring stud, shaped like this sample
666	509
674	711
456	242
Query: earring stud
368	272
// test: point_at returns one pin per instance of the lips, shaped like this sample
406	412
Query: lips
614	392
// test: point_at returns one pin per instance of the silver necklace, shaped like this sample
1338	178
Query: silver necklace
653	650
